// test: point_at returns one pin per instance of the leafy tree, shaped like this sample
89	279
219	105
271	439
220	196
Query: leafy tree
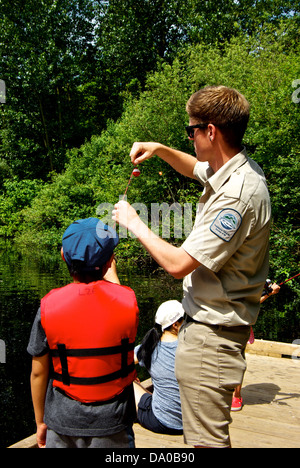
67	64
159	114
215	24
73	68
46	56
264	70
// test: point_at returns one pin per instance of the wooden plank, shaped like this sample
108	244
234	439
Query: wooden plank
148	439
29	442
273	348
270	417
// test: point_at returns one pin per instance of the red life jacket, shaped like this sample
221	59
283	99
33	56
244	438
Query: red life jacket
91	330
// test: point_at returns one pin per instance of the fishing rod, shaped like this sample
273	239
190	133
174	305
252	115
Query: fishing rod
290	279
268	285
135	173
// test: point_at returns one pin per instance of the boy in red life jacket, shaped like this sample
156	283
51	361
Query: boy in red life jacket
82	343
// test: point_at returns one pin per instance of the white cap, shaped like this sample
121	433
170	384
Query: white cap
168	313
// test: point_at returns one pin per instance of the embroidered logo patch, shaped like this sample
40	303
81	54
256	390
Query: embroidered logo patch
226	224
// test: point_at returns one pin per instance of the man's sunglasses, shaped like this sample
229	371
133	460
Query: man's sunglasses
190	129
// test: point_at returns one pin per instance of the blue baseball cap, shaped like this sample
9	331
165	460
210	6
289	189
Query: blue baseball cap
90	241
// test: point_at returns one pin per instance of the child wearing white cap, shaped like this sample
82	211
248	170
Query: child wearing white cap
161	411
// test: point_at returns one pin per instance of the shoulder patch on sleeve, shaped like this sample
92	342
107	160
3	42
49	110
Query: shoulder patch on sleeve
226	224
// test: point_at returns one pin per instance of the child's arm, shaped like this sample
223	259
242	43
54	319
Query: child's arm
39	382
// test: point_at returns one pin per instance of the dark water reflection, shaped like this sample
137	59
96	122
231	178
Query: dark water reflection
24	279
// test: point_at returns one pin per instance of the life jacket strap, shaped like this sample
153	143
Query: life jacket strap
94	380
64	363
92	352
62	352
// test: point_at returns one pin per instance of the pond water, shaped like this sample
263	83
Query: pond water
24	280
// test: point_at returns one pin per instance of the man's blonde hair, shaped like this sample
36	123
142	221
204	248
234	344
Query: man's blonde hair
224	107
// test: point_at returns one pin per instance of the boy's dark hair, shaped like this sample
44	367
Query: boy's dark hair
77	270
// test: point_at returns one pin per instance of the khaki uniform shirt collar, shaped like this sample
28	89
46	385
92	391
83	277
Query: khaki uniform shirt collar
221	176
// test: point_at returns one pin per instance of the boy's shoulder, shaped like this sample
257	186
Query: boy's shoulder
86	288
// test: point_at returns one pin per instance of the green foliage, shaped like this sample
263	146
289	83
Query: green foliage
45	49
14	196
67	64
211	24
262	66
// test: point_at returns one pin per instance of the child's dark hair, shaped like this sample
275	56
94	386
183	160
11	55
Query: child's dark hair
148	345
150	342
78	272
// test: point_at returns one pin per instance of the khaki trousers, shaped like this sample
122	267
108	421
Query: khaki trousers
210	363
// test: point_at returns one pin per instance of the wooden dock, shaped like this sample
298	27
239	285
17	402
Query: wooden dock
270	417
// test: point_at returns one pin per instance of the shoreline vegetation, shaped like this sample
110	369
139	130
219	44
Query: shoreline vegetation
83	85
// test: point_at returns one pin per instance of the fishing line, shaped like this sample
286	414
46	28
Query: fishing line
135	173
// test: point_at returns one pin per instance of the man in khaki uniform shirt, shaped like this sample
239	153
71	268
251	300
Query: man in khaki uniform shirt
224	261
232	220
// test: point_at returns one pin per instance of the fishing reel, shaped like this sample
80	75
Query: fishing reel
268	287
